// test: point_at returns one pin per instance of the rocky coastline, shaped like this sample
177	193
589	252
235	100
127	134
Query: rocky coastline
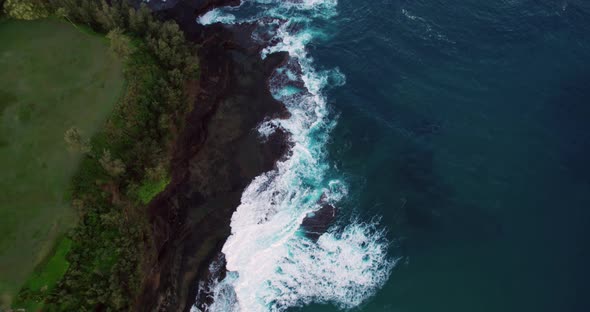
217	155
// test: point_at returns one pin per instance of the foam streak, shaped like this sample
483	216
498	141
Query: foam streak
271	265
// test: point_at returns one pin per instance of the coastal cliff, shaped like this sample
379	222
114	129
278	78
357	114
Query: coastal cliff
217	155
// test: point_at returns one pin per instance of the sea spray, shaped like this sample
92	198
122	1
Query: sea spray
216	16
271	265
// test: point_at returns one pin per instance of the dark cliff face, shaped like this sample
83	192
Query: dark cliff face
217	155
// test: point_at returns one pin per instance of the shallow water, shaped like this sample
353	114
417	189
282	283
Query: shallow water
463	125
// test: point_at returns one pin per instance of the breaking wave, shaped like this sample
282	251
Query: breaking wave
271	264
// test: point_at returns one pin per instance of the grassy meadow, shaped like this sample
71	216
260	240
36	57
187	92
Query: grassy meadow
54	76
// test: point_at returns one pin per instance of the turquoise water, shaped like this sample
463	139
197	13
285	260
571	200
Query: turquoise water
459	128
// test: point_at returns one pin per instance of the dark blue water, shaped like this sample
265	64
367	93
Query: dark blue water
466	125
463	124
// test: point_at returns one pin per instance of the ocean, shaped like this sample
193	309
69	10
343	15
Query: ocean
451	137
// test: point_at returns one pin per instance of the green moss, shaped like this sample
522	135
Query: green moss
45	277
50	273
150	188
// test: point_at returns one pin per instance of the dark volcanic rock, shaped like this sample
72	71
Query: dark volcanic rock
317	223
216	157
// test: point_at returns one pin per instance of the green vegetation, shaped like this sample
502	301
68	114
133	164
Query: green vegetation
46	277
150	188
43	93
54	269
125	164
25	9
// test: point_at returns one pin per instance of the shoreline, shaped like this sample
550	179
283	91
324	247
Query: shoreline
216	156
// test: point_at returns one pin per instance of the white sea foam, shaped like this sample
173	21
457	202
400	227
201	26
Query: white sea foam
271	265
216	16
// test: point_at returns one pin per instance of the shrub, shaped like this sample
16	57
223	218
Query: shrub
25	9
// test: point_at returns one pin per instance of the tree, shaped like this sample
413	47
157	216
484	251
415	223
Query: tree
25	9
120	44
62	12
75	141
139	19
114	167
79	11
105	16
168	44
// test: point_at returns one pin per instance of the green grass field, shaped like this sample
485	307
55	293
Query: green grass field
53	76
